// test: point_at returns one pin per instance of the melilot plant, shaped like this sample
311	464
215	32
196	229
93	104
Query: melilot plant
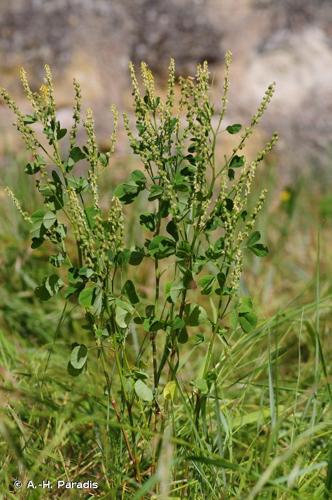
196	226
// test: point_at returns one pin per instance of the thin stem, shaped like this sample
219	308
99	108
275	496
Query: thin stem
130	452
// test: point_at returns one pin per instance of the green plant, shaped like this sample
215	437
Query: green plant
195	231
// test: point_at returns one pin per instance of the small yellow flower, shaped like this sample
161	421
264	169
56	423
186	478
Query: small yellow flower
285	195
44	90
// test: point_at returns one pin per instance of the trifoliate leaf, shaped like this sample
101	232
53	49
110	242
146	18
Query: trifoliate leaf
257	248
161	247
234	129
246	315
76	154
237	162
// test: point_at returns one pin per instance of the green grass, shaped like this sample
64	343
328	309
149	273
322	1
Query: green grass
269	415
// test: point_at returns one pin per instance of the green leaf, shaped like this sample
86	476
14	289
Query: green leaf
86	297
76	154
61	133
174	291
143	391
234	129
183	336
172	123
37	242
103	159
231	174
161	247
253	238
87	272
37	217
32	168
183	250
248	321
150	310
60	231
206	284
195	315
123	312
129	190
29	119
79	184
257	248
246	315
164	208
178	323
229	204
156	192
57	260
260	250
79	356
152	324
53	284
139	178
136	256
180	183
50	287
37	231
101	333
98	301
130	291
148	220
121	317
72	371
221	281
172	229
245	305
237	162
74	289
49	220
91	213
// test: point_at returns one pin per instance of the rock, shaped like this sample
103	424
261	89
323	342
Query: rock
288	41
183	29
300	64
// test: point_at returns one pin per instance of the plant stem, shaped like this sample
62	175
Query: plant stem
130	452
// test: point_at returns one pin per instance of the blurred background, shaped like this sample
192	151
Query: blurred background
287	41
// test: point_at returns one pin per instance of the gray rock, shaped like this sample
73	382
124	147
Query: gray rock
287	41
182	29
